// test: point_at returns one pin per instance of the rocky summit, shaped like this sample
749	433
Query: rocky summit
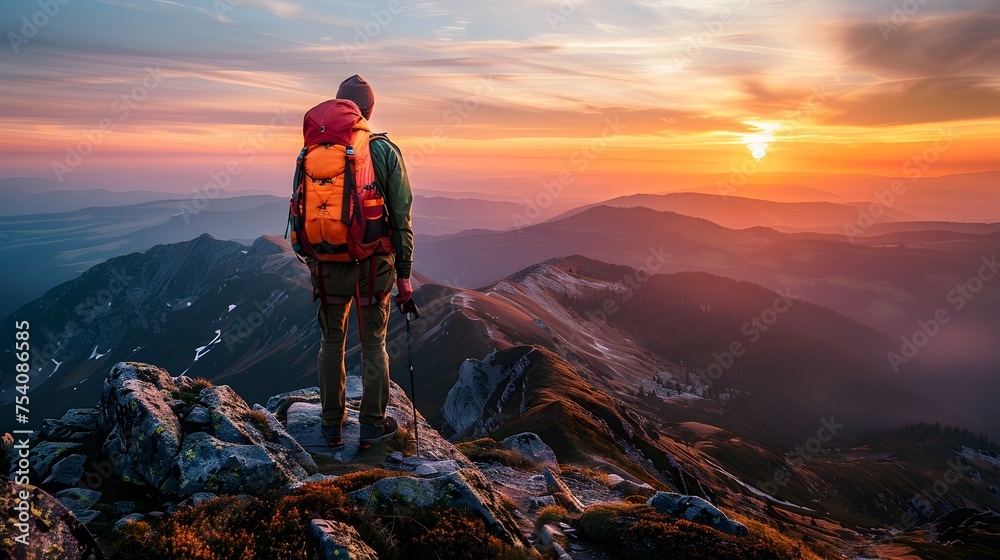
176	467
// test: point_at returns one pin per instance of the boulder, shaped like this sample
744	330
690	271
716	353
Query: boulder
183	383
626	488
68	471
279	404
304	421
532	448
78	498
285	439
245	451
339	541
73	421
51	525
200	497
124	506
228	415
467	488
303	424
129	371
435	468
145	433
199	416
208	464
432	445
549	533
232	421
47	453
540	502
697	510
130	517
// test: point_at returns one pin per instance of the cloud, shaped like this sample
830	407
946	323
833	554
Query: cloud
457	29
495	120
922	69
943	45
280	8
768	100
217	15
924	100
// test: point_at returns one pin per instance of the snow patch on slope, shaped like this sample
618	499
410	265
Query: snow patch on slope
202	350
462	299
975	455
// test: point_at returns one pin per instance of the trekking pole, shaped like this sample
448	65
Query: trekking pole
406	309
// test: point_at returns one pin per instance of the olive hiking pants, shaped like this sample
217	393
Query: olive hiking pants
339	282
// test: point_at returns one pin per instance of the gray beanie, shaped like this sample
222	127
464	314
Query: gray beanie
357	90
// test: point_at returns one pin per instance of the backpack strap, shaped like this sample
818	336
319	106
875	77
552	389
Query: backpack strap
379	179
350	189
295	201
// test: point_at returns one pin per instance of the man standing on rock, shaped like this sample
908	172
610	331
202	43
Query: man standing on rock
368	281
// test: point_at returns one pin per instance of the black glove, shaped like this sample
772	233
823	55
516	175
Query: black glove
409	307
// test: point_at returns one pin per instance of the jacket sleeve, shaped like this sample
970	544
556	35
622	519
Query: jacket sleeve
388	163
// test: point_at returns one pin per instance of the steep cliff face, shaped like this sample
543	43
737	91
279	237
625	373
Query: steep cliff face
484	389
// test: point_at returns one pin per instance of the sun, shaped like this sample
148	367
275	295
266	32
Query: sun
761	138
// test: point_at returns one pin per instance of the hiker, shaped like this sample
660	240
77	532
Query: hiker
369	210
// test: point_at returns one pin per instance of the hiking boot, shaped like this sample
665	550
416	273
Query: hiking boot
371	434
334	434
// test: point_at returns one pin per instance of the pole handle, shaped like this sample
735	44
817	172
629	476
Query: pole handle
409	307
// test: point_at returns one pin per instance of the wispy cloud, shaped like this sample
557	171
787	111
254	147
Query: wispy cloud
229	64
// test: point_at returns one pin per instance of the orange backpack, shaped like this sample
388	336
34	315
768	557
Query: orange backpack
337	211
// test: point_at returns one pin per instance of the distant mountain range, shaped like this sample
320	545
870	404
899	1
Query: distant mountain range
740	213
55	246
48	249
37	195
886	287
965	197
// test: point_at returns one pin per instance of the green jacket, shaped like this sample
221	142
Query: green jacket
392	177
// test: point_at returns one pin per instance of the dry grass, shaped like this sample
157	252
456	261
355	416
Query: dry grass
259	420
199	383
638	532
362	479
488	450
586	472
551	514
404	441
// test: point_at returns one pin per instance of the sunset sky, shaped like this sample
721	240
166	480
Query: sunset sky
646	95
